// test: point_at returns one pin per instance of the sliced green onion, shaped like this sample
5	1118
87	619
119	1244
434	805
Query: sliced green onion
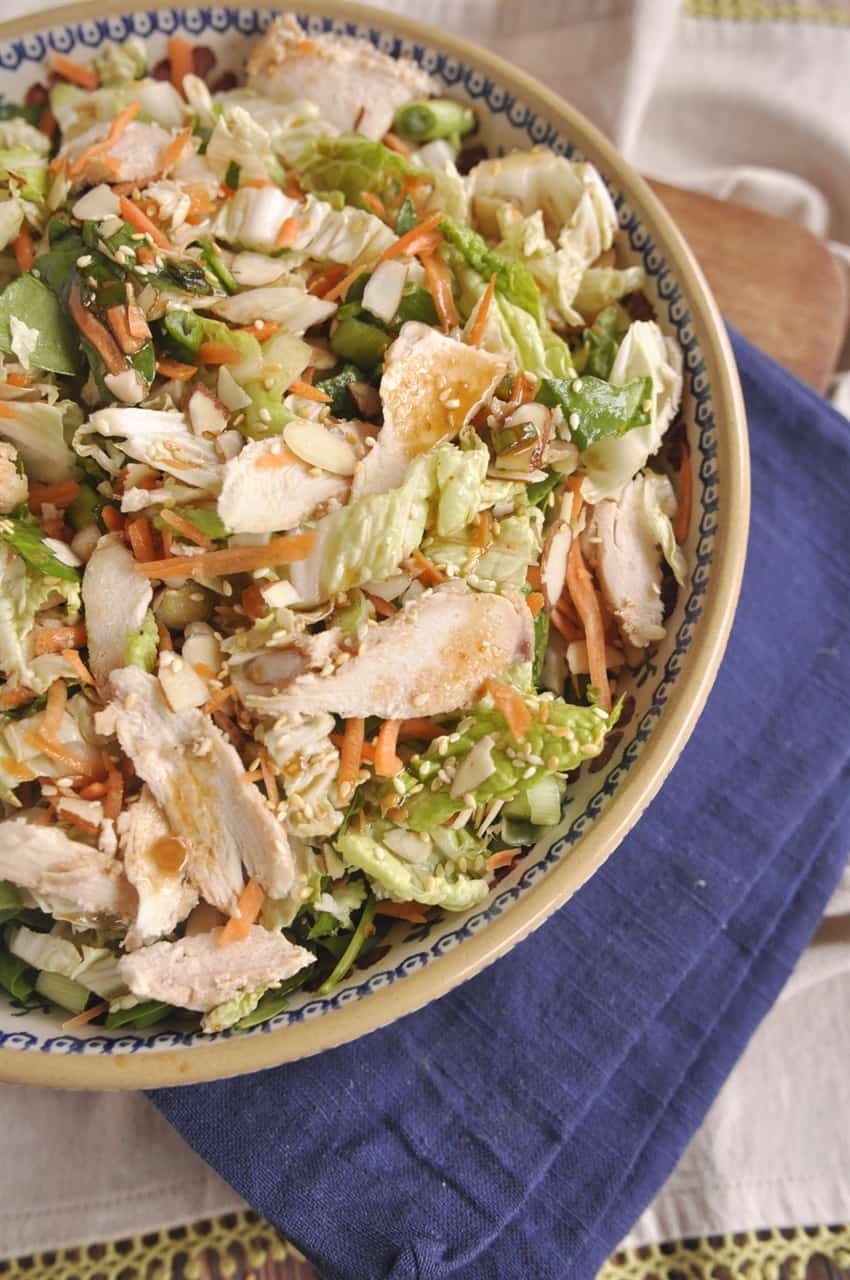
63	991
427	119
361	343
16	976
215	262
184	331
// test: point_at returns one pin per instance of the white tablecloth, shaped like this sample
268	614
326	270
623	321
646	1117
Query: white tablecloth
755	110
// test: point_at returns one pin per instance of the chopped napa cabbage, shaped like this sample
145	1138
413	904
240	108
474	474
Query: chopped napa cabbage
334	908
29	301
159	437
95	968
24	591
368	539
237	138
660	505
292	127
17	132
434	881
76	110
530	180
644	353
569	736
517	545
557	272
592	225
26	168
11	221
226	1015
514	281
308	761
115	62
600	286
142	646
252	217
352	164
459	477
449	193
338	235
290	306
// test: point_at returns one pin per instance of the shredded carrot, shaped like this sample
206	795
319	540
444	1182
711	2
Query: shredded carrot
502	858
218	699
130	327
200	204
114	798
422	727
218	353
288	233
6	411
23	248
340	289
367	753
113	519
55	639
440	286
75	820
320	281
512	707
303	389
18	379
272	461
137	218
394	142
584	598
96	333
87	1015
51	721
248	908
173	151
350	755
269	780
387	763
410	911
93	791
56	528
201	669
426	570
168	368
47	123
383	608
80	669
535	603
180	57
166	539
403	244
476	333
165	642
567	628
116	129
262	330
57	495
72	71
184	527
682	523
523	389
375	204
140	537
285	550
17	697
253	601
16	769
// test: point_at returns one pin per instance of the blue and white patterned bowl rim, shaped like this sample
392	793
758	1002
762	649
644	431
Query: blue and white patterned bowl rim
84	38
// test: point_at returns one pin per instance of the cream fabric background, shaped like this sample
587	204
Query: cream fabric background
758	111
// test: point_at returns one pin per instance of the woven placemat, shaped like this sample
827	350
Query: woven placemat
241	1246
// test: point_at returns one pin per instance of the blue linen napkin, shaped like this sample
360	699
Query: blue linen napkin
515	1129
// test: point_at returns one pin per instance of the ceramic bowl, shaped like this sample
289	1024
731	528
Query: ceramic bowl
515	111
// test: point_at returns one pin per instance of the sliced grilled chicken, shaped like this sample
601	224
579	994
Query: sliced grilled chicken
431	386
259	497
116	598
199	973
431	657
354	85
135	157
622	548
79	883
155	864
199	783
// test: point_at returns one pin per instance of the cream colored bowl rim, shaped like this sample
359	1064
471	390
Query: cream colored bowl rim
252	1053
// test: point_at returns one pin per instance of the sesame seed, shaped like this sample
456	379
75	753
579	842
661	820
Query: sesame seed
529	773
574	420
85	260
552	762
469	800
264	415
577	385
646	406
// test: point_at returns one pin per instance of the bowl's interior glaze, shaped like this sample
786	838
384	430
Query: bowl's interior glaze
684	663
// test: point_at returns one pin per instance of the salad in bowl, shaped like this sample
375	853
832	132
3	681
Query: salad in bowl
342	490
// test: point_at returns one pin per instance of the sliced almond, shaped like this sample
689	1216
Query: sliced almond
315	445
229	391
207	415
553	563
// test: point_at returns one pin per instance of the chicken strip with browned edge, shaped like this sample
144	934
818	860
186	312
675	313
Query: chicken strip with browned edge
155	864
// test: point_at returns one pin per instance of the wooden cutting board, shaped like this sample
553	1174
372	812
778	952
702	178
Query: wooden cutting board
773	280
